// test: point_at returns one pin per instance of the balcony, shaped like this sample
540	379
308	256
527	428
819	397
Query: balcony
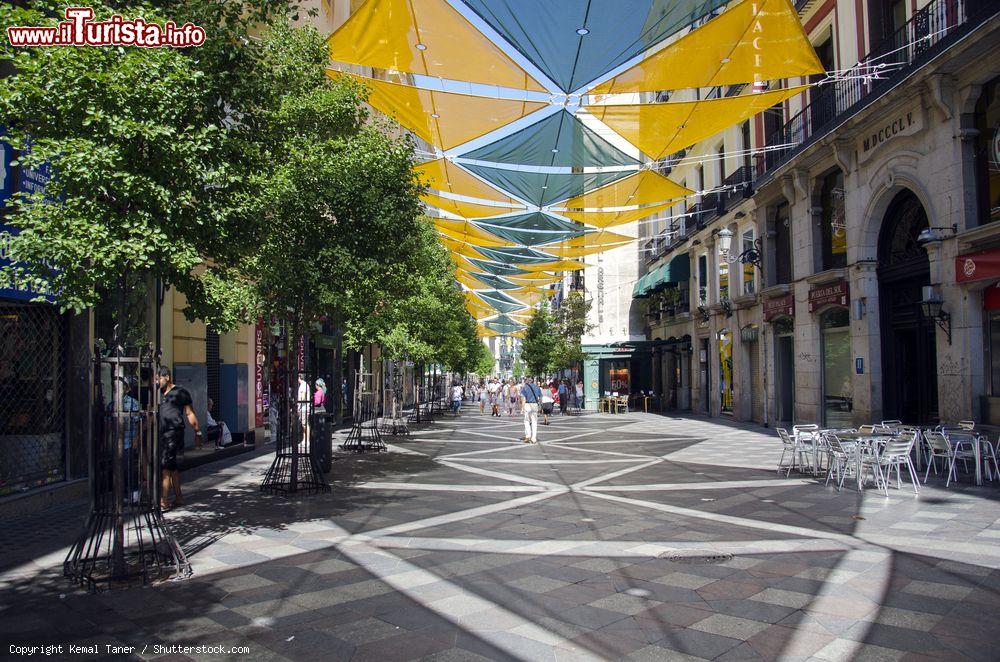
930	32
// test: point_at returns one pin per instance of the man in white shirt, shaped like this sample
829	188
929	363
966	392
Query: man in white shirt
530	397
456	398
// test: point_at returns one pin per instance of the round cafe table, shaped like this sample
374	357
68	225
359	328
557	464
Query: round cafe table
866	439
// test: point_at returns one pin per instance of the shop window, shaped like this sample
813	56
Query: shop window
748	268
833	229
988	152
993	338
838	386
723	280
702	280
725	372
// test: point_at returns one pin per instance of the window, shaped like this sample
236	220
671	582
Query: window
782	245
748	268
833	229
988	152
745	146
720	154
701	181
702	280
723	280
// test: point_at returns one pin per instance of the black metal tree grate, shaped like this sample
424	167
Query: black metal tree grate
126	538
364	435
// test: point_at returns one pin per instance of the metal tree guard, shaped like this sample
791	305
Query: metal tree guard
126	537
364	434
395	424
295	468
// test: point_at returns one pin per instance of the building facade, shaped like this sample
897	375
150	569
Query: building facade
859	279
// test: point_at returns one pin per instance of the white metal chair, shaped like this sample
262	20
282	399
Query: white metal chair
895	455
791	447
939	447
842	459
866	429
807	436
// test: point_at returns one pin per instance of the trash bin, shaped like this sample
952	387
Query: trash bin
321	444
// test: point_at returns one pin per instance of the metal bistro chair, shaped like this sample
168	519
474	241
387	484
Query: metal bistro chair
939	447
895	455
808	437
987	452
842	459
790	446
620	403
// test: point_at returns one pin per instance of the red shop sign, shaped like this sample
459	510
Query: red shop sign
836	293
984	265
779	307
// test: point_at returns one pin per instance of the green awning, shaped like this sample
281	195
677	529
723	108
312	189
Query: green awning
678	270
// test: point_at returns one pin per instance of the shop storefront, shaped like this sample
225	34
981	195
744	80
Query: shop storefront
830	302
725	345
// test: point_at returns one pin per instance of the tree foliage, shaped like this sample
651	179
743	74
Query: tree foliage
540	342
571	322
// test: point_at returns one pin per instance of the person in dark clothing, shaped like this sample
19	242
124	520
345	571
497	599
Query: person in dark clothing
175	408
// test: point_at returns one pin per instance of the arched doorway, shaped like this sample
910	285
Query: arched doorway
909	356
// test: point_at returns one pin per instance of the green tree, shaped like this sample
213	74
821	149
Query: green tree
540	342
572	324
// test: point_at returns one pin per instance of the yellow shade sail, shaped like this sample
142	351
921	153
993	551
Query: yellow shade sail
469	233
641	188
607	219
478	308
588	244
659	129
484	332
559	265
444	119
537	278
443	175
466	209
468	280
756	40
424	37
459	247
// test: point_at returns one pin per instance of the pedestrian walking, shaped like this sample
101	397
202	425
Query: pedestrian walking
456	398
547	399
530	396
483	396
513	398
579	394
319	396
175	409
494	392
563	397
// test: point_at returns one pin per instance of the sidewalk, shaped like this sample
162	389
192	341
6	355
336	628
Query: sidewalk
617	537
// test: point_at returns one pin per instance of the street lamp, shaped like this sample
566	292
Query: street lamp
933	308
751	255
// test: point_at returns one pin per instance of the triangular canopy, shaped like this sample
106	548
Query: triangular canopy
543	188
499	300
659	129
489	281
607	219
559	140
644	187
518	256
496	268
425	37
574	41
503	324
588	244
443	175
531	229
467	232
444	119
464	208
756	40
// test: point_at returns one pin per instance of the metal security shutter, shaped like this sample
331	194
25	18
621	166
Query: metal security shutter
212	361
756	392
32	402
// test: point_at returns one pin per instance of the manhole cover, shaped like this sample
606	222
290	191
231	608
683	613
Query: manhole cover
708	558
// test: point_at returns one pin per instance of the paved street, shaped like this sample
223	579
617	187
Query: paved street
637	537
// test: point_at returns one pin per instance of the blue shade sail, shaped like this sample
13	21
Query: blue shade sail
502	302
539	188
503	324
495	282
531	229
548	32
558	140
517	255
496	268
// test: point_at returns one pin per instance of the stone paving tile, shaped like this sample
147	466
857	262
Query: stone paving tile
583	579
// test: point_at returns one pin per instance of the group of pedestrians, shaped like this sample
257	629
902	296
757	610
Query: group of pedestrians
525	398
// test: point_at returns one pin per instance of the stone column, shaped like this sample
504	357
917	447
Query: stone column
866	341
